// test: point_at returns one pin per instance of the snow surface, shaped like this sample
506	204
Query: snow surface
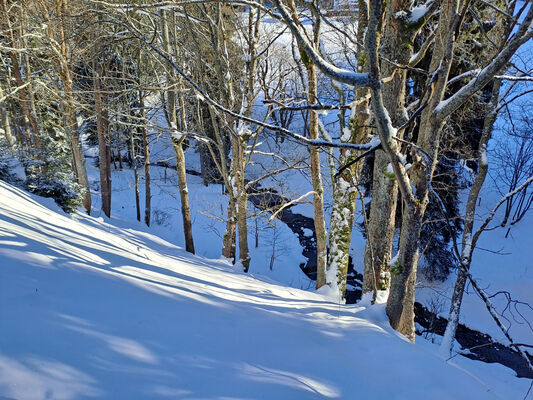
92	310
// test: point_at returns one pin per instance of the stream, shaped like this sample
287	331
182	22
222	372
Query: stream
475	345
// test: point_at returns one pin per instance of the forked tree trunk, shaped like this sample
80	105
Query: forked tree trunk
400	305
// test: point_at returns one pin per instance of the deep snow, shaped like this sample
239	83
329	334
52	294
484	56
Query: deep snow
89	309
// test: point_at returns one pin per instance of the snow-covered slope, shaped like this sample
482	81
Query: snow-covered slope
88	309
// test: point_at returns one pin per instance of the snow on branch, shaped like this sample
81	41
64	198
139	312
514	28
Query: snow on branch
515	78
351	78
418	13
300	138
290	203
487	221
521	36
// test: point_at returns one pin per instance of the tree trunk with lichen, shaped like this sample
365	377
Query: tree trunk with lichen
316	174
396	45
345	189
400	305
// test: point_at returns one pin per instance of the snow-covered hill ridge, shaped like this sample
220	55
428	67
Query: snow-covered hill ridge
90	310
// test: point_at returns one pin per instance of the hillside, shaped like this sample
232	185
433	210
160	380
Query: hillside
91	310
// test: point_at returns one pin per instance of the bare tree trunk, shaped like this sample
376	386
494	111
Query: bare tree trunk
147	189
182	182
380	230
78	160
178	142
31	97
103	146
468	230
242	199
316	176
228	241
29	120
136	176
345	189
4	116
184	196
400	305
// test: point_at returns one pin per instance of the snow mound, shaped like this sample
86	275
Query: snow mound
90	310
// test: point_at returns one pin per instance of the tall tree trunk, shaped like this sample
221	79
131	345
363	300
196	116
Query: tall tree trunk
316	176
182	182
239	146
177	142
397	39
103	145
136	176
240	142
6	124
468	229
228	240
147	183
400	305
345	189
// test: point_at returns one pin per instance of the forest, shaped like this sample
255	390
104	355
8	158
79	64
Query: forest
377	154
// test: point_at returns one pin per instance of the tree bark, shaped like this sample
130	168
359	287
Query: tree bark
147	183
61	59
345	190
468	229
136	176
177	143
103	145
400	305
316	176
239	145
6	124
397	45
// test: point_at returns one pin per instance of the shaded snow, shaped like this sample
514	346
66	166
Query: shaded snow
93	310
